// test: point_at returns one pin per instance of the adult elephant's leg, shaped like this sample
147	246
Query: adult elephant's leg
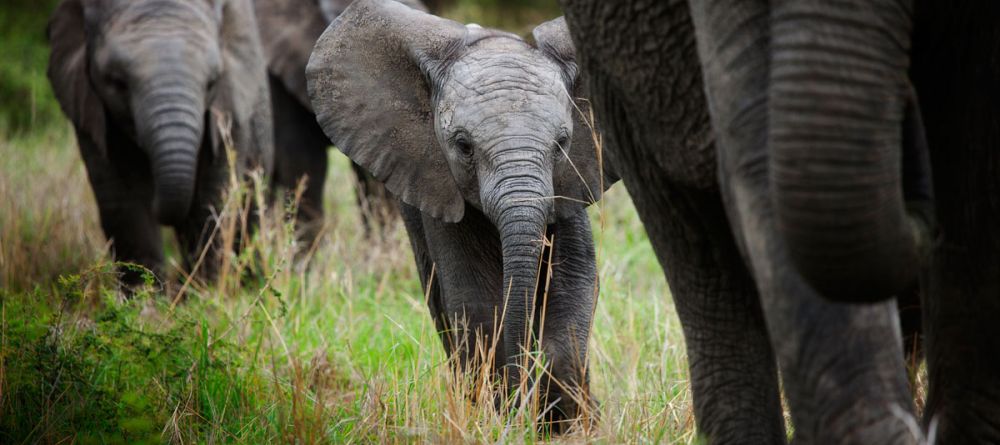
124	199
911	325
469	269
961	113
733	377
300	154
651	107
842	365
568	309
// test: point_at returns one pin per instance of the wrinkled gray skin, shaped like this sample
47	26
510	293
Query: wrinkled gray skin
468	127
743	306
289	30
140	80
817	174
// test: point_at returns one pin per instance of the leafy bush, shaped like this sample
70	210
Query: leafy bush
78	363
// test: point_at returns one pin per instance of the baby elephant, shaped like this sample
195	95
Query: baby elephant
477	133
142	81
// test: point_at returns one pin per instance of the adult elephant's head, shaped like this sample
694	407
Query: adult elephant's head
450	115
152	69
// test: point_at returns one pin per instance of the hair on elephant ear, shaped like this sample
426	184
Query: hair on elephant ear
372	77
584	178
69	75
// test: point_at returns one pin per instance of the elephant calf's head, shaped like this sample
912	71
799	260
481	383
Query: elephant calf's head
148	69
447	114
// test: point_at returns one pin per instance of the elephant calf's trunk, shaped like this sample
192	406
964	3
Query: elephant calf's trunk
173	134
521	234
174	177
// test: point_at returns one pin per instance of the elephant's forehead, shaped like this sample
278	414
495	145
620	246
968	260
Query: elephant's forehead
512	73
181	17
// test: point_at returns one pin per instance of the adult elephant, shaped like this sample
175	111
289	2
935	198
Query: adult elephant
143	82
289	29
823	175
742	302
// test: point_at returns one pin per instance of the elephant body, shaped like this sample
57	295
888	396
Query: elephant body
817	191
289	29
154	89
957	88
481	137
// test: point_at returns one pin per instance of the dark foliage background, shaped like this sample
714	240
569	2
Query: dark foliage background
25	96
26	101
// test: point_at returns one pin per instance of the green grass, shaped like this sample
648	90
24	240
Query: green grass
341	351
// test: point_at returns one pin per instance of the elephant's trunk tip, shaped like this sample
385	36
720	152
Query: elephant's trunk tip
174	184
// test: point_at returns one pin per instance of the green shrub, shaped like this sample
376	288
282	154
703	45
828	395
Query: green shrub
80	364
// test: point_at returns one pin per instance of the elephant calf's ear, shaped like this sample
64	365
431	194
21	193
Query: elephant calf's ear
370	95
288	31
68	74
582	178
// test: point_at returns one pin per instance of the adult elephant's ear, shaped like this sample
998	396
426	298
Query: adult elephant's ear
370	79
69	76
581	179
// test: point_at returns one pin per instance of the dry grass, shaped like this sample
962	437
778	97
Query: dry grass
48	219
335	347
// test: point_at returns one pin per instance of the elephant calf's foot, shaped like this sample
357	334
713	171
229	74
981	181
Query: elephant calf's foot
562	412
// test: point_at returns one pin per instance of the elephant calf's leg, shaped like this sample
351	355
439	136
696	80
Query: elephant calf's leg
202	239
378	208
135	236
309	214
568	310
300	153
125	206
465	263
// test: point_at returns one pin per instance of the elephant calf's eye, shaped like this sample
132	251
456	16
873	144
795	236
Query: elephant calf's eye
117	82
212	82
562	144
463	145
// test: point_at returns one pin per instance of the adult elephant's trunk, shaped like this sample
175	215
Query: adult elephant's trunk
836	106
517	198
169	115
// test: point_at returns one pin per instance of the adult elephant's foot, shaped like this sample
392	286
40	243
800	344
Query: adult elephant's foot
962	343
842	366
